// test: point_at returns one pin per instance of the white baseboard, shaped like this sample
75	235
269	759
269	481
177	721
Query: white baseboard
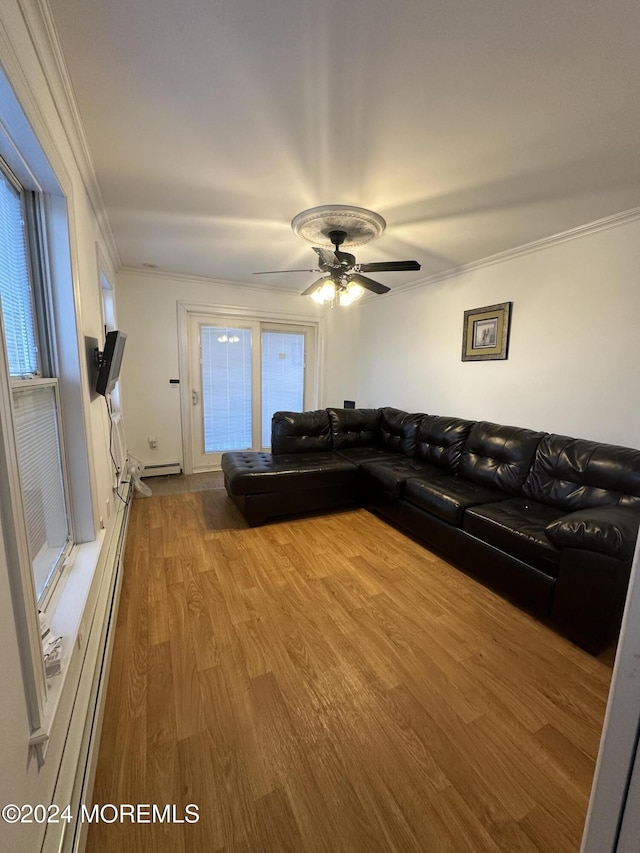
162	470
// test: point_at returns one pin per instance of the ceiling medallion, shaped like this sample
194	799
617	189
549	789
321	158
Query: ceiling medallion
360	225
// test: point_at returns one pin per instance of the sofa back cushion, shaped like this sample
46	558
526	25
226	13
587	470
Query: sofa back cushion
440	440
354	427
300	432
574	474
399	430
499	456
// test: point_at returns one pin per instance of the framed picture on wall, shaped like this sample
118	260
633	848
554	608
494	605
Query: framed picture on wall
485	333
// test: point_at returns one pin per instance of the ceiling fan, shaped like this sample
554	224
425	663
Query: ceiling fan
343	277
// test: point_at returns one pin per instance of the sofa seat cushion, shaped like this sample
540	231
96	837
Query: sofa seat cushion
359	455
251	472
517	526
447	495
390	475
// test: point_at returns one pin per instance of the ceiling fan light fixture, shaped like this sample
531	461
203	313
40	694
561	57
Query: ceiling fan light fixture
350	293
341	225
325	292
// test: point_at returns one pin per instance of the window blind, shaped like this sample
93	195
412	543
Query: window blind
35	413
40	463
15	283
226	388
282	376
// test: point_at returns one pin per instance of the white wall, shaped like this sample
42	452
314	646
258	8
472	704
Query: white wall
341	356
574	354
148	313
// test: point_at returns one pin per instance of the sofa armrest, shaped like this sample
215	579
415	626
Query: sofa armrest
610	530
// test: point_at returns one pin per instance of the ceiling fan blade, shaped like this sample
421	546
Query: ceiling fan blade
315	285
273	272
327	256
369	283
388	266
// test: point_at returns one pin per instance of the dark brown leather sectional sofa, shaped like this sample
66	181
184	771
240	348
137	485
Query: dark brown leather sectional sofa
548	520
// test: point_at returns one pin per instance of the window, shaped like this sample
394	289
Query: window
226	388
35	399
15	284
283	367
48	492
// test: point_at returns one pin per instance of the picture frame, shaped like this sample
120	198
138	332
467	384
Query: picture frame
485	332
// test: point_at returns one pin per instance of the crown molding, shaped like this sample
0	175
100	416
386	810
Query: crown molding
617	219
576	233
42	33
197	279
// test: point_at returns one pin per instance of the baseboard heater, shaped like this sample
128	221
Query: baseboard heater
162	470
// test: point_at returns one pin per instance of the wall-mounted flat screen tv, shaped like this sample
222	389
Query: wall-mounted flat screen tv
110	363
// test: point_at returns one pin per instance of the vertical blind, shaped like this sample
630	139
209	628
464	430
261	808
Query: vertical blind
15	283
35	413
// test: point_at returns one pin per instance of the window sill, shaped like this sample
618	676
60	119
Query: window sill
70	612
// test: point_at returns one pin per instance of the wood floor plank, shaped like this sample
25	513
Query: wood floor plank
199	782
161	712
203	635
190	717
276	827
234	773
571	760
327	684
158	622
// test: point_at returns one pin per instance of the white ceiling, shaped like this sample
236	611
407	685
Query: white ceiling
472	127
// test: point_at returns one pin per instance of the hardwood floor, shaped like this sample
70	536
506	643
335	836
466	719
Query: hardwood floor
326	684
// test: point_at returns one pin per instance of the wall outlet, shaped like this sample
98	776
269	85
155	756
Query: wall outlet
153	441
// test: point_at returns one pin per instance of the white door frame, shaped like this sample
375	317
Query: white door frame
227	311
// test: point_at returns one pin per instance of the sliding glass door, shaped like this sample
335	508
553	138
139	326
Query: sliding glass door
241	372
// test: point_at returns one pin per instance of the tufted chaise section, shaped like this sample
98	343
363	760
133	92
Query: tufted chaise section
248	473
264	485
